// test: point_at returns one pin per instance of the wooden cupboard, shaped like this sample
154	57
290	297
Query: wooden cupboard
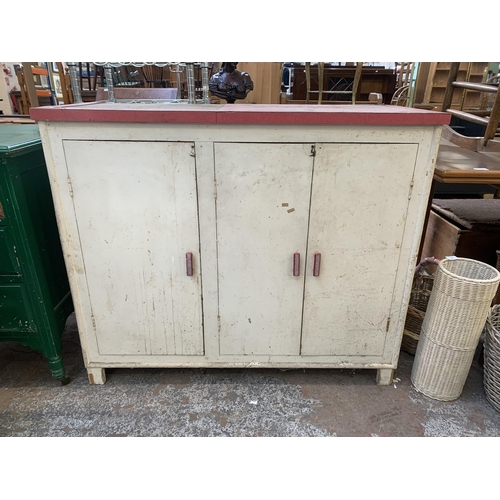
35	298
237	236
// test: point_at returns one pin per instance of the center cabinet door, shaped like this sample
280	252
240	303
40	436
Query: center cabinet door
137	215
263	198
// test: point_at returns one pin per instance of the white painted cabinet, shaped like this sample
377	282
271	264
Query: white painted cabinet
253	207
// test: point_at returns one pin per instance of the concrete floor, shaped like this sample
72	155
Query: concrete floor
223	402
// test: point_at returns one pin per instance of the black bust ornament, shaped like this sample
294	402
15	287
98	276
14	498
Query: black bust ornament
230	84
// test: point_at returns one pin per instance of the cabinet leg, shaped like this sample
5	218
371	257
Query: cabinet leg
96	375
384	376
57	369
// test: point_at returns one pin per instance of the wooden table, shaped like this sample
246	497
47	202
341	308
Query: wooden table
456	165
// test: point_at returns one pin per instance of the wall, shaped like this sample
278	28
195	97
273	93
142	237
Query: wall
8	82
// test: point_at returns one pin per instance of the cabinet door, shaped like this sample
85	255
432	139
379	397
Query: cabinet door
263	195
136	209
359	204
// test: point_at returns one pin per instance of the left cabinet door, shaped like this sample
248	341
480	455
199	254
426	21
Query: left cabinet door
136	210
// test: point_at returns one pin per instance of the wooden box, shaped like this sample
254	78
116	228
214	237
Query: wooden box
466	228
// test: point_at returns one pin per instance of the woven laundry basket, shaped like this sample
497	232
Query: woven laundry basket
456	314
491	367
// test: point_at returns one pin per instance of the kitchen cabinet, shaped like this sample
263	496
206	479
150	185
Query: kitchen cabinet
35	298
240	236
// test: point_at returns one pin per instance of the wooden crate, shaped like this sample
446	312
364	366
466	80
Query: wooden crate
461	237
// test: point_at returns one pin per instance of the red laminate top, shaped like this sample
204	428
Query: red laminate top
262	114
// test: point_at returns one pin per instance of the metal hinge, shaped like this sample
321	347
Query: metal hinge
313	150
218	322
70	186
193	152
411	189
93	321
215	189
388	324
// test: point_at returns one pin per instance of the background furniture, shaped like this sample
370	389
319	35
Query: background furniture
32	87
372	80
432	79
34	289
488	117
456	165
240	236
336	89
468	228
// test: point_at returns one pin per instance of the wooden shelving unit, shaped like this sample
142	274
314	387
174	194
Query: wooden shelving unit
431	85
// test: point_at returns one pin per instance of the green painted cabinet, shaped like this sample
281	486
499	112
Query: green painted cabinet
35	298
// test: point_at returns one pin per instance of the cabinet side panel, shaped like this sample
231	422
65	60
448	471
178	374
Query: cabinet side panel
263	195
358	213
136	211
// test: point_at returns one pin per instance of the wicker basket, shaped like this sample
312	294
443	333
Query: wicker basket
419	298
496	300
456	314
491	367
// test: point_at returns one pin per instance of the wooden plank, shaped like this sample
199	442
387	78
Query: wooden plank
30	84
357	79
452	77
38	70
321	70
308	81
420	82
430	82
65	87
23	102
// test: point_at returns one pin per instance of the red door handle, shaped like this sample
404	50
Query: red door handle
317	264
189	263
296	264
